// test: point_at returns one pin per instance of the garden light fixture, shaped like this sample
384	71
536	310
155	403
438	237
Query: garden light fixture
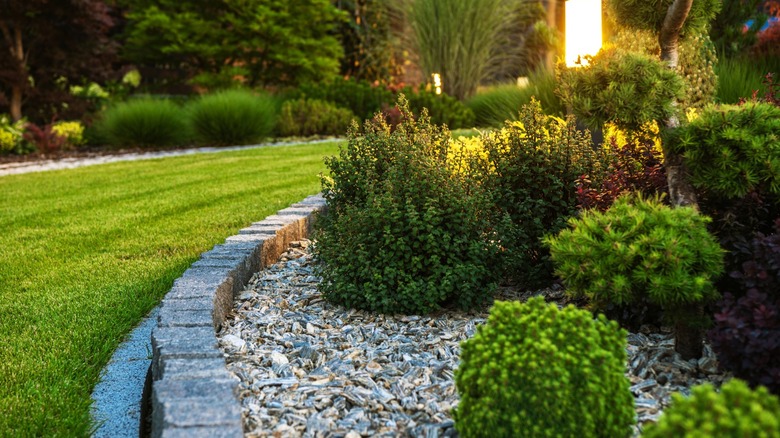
583	30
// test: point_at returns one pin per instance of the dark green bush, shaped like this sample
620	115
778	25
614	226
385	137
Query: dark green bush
443	109
232	117
304	117
533	166
638	248
144	122
650	15
404	232
732	150
627	88
534	370
734	412
360	97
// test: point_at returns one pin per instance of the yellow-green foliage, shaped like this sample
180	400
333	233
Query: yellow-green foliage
72	131
649	15
639	248
10	134
536	371
734	412
731	150
696	65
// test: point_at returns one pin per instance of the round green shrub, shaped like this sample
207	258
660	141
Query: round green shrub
732	150
404	232
650	15
232	117
534	370
144	122
638	248
629	89
736	411
696	65
305	117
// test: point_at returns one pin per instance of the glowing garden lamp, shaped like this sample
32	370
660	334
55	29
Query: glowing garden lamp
583	30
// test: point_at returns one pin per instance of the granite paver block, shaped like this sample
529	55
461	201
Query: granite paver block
295	211
260	229
186	318
200	303
182	343
222	431
204	368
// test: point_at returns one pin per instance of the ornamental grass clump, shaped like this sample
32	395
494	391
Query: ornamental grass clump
405	231
232	117
144	122
734	412
534	370
640	249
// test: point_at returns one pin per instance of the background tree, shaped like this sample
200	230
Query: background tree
218	43
47	45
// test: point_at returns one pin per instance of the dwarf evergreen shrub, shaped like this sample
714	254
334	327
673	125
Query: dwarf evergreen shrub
732	150
650	15
734	412
405	232
534	370
638	248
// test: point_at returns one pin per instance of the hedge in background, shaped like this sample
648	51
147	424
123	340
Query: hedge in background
535	370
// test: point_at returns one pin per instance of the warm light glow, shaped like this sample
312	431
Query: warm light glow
583	29
437	83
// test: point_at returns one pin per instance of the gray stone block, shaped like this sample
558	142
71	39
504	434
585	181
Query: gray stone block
201	303
260	229
195	389
222	431
170	317
295	211
182	369
194	404
182	343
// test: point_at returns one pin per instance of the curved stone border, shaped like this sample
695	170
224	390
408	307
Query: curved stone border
192	393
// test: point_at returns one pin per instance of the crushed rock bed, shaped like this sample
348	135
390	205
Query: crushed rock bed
309	368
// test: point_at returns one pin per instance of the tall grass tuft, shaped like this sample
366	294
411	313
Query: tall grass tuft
144	122
502	102
232	117
459	39
739	77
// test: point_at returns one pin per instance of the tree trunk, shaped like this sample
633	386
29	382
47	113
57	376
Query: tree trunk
16	103
16	49
552	22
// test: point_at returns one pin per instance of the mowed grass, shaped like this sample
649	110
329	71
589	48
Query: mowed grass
86	253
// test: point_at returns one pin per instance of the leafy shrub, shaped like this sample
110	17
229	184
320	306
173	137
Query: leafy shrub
746	336
362	98
638	248
443	109
232	117
627	88
144	122
532	169
535	370
44	139
304	117
736	411
73	132
497	104
696	64
636	166
11	136
404	232
732	150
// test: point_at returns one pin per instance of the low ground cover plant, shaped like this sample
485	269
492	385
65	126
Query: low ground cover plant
404	232
232	117
86	253
735	411
535	370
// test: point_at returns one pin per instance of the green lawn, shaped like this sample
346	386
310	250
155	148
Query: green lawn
86	253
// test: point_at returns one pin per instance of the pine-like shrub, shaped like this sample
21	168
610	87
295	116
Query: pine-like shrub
534	370
443	109
731	150
305	117
144	122
232	117
650	15
746	335
734	412
404	232
532	169
628	89
638	248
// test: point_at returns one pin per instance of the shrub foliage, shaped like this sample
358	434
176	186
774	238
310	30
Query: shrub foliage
304	117
535	370
143	123
404	232
232	117
734	412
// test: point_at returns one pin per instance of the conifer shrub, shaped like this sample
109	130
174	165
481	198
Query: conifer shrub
638	248
232	117
532	167
734	412
650	15
626	88
404	232
305	117
144	122
534	370
731	150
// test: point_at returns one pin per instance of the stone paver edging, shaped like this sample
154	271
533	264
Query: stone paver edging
192	394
